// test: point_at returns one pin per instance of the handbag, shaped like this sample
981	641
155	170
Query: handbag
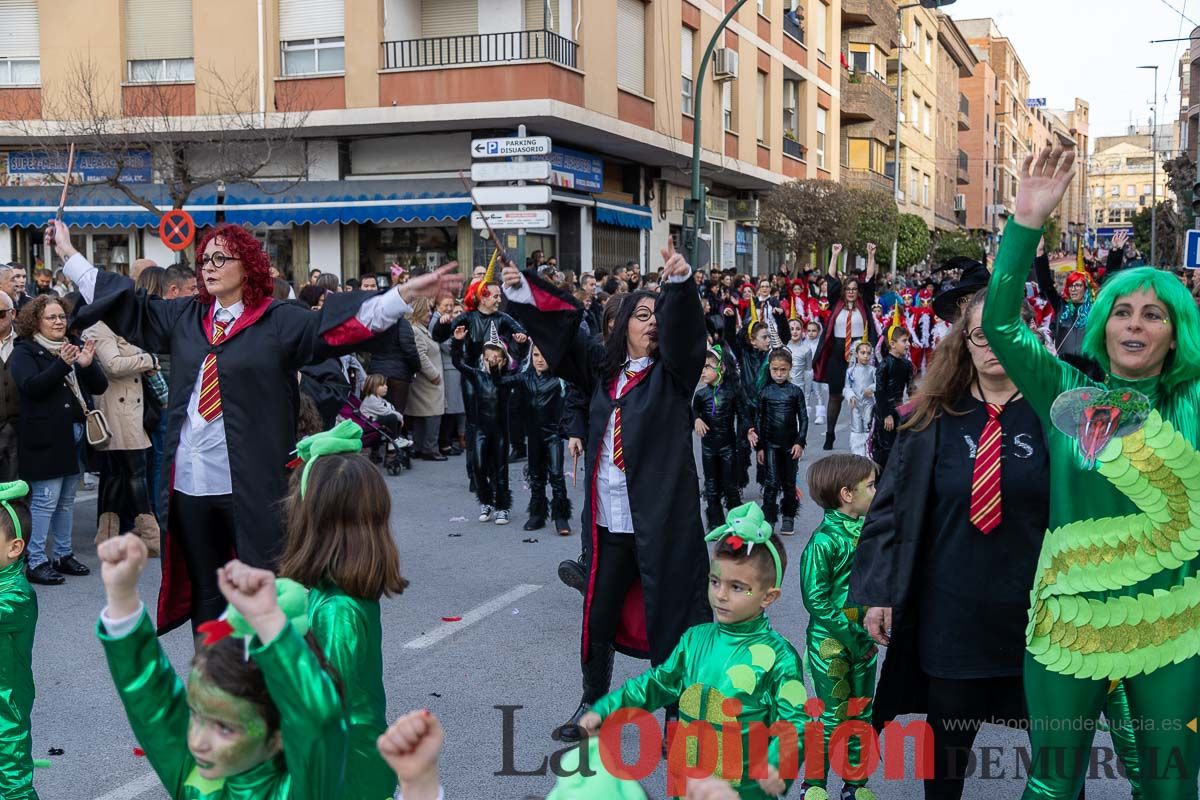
95	425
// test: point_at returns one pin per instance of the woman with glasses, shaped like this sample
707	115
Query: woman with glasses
233	397
1118	602
54	374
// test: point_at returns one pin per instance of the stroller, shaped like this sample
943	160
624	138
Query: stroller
395	450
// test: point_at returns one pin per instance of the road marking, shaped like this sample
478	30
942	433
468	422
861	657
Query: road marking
135	788
469	618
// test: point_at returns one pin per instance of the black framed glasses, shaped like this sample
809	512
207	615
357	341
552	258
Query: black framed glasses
976	337
643	315
217	260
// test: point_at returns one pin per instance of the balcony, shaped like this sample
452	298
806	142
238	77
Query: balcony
878	13
867	98
866	179
963	175
792	27
793	148
480	48
964	113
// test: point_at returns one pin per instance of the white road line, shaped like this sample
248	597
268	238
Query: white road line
135	788
470	618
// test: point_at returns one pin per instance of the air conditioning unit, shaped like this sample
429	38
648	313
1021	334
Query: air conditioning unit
960	202
789	101
725	64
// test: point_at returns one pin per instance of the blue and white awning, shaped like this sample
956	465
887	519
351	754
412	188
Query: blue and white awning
345	201
624	215
98	206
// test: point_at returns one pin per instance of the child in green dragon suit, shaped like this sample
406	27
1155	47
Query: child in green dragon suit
735	673
18	619
259	719
841	656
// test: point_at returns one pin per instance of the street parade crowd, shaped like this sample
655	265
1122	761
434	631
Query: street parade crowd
1013	515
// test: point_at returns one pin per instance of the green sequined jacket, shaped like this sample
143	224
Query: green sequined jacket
311	720
18	618
1116	592
746	661
825	584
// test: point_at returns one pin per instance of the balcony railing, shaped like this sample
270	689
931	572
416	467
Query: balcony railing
791	26
964	161
964	105
793	148
480	48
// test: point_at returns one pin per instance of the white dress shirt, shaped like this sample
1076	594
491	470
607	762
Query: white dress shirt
202	457
612	493
6	344
857	325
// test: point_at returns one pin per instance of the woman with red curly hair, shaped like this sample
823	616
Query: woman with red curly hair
231	414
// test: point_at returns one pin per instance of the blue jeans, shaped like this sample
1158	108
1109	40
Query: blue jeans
154	460
52	507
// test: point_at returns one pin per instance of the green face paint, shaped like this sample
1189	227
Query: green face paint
226	734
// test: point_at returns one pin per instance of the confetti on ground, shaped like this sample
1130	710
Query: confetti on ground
530	540
56	751
139	752
435	694
451	619
458	519
516	611
41	763
454	535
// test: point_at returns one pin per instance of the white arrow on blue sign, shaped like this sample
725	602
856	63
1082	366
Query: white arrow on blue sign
511	147
1191	258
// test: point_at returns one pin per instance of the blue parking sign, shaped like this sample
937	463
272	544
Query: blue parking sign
1191	258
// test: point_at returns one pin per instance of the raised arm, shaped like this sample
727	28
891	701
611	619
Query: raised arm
1039	375
550	317
1045	280
681	340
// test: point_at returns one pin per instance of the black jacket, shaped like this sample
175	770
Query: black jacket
479	327
781	420
891	379
326	385
543	400
46	446
394	353
490	390
723	409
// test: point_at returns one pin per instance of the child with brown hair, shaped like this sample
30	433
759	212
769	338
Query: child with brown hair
840	654
340	546
18	619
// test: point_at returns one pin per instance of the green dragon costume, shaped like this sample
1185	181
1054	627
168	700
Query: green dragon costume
18	619
1116	596
841	656
714	663
311	717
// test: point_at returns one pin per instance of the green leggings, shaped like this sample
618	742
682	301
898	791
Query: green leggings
836	681
1062	720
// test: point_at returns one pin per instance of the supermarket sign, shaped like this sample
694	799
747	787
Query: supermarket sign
48	167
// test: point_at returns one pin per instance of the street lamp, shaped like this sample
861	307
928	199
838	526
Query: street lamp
1154	167
929	4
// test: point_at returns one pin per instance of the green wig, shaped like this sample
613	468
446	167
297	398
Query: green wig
1183	363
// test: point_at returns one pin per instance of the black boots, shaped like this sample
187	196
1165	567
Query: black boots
538	508
597	678
574	574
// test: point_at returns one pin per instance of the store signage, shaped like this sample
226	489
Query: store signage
1192	258
575	170
47	167
484	171
537	195
1035	102
511	219
511	147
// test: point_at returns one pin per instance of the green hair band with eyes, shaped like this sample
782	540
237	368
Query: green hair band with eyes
345	437
745	526
9	491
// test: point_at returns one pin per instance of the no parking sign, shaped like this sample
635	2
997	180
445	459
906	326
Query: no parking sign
177	229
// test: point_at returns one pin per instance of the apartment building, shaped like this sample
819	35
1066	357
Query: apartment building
868	105
1070	127
979	143
1121	180
955	63
918	119
391	94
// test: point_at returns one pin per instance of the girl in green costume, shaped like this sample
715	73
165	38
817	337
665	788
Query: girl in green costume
259	719
340	546
1115	595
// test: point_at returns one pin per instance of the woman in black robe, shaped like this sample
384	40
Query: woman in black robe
229	440
643	538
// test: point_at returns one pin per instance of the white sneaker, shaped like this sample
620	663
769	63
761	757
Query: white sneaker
501	517
403	443
485	513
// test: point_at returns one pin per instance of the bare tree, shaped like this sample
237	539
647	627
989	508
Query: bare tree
230	142
802	215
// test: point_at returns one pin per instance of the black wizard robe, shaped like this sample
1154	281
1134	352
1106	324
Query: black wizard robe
257	363
660	467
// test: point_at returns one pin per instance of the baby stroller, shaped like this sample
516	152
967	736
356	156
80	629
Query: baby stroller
395	450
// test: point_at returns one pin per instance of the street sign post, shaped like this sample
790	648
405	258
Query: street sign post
511	147
484	171
510	219
1191	258
512	195
177	229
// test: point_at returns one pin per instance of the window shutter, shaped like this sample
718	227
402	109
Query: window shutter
687	55
449	18
535	12
311	19
157	29
19	29
631	45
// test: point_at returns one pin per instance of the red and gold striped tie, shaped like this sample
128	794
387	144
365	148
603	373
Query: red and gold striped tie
210	387
618	446
985	480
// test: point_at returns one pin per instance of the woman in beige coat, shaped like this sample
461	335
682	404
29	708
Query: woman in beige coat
124	487
427	396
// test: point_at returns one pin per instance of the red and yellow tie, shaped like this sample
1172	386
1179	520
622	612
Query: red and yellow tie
618	447
985	479
848	344
210	387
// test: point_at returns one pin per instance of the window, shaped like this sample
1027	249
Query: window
20	56
1098	191
727	104
536	18
1116	191
791	109
926	113
1128	215
312	34
822	114
915	117
631	45
820	33
764	107
686	66
914	184
1099	216
158	41
762	6
925	190
1147	188
929	50
1131	190
861	58
916	38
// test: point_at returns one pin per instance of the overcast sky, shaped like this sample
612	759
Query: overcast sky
1092	48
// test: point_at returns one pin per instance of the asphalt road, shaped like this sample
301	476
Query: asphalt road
516	646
